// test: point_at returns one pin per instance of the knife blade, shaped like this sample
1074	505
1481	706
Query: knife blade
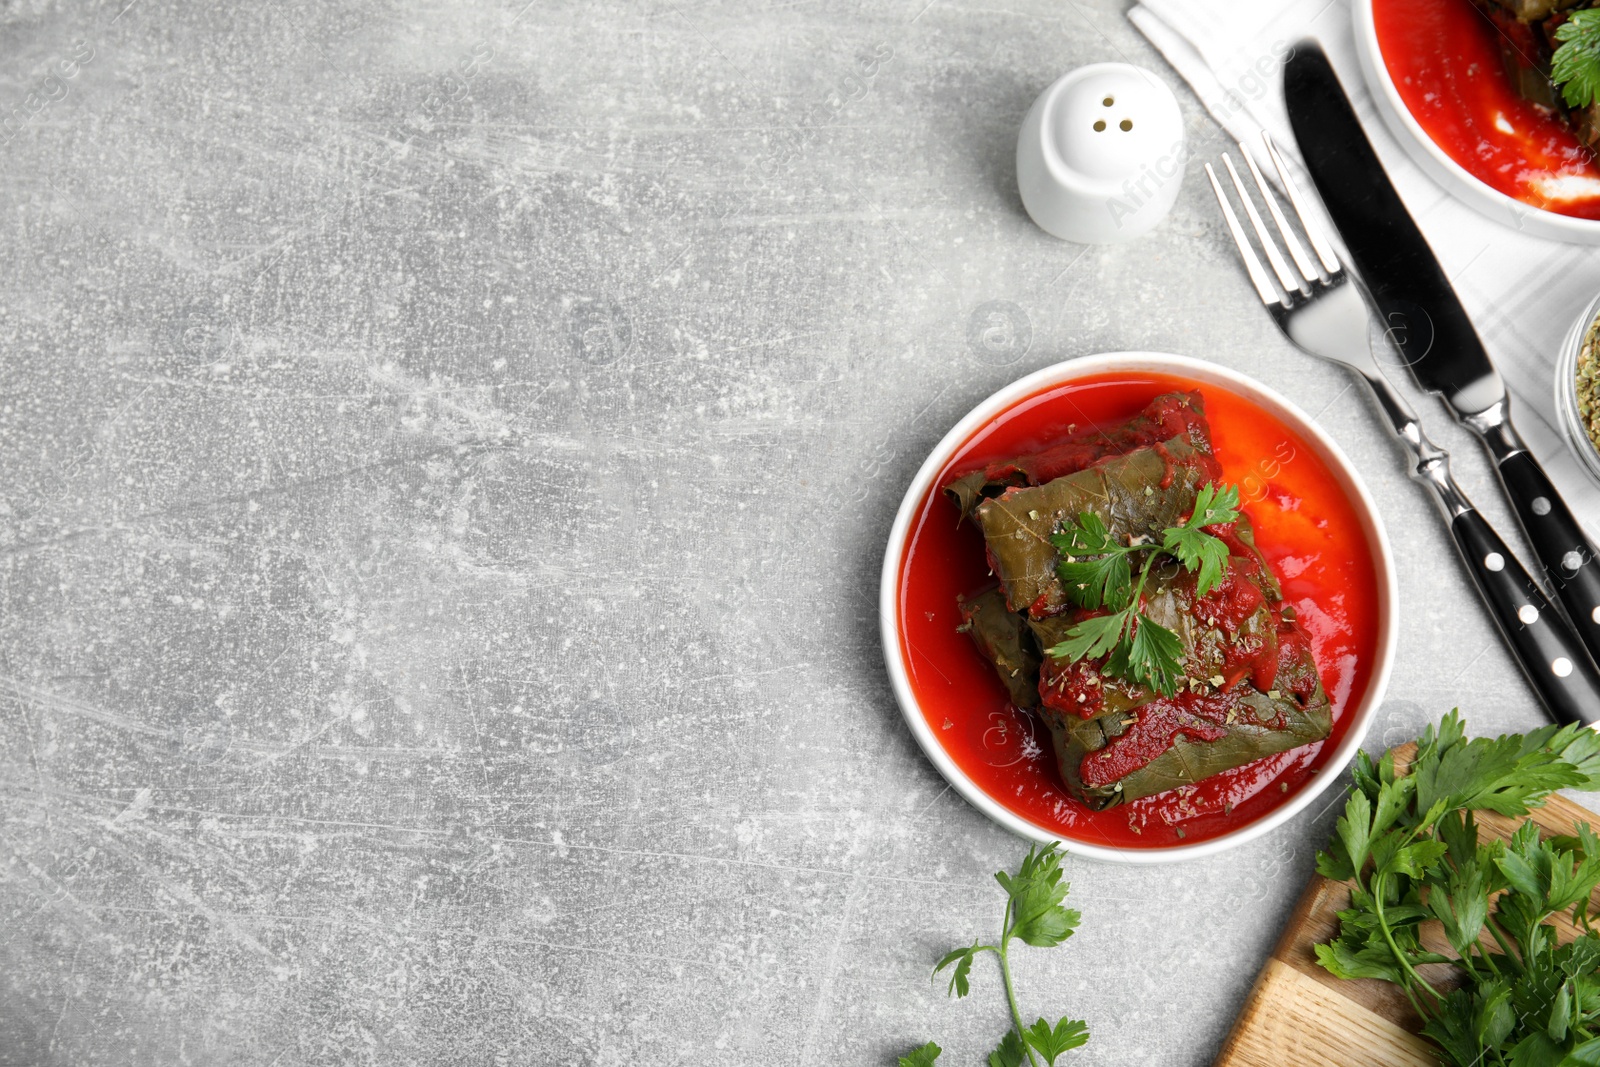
1429	328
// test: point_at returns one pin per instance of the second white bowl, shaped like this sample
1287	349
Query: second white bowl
1438	165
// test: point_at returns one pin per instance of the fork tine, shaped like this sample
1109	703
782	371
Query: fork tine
1297	251
1279	266
1319	240
1252	263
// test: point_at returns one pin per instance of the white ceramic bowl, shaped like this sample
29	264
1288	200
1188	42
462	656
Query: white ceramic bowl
1455	178
1360	715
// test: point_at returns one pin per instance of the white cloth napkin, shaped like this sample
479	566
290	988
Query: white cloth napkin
1523	293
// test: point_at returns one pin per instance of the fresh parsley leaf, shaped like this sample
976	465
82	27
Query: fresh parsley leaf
1152	656
1393	798
1558	873
1094	568
1410	860
1536	1050
1582	956
1452	1029
1459	830
1196	549
1051	1043
1344	960
1461	904
1034	915
1586	1054
1347	853
1036	893
1092	638
1101	581
1214	505
962	958
1010	1053
1575	66
1560	1013
1085	536
1494	1017
1579	747
1155	656
1499	774
1368	776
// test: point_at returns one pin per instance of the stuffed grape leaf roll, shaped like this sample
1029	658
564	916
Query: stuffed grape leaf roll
1167	416
1248	687
1003	638
1138	494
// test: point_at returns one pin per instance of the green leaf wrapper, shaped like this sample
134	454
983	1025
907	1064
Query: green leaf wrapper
1136	495
1005	641
1167	416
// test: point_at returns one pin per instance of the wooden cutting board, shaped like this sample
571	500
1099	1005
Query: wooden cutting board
1299	1014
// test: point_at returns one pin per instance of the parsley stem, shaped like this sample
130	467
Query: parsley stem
1130	614
1500	938
1011	993
1466	955
1411	995
1379	887
1483	954
1138	590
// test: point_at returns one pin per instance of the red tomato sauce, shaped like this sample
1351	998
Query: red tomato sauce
1305	525
1444	58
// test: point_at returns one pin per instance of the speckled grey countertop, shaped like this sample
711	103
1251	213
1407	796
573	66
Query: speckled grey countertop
448	454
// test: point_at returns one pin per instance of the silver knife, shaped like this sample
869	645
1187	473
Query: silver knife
1429	327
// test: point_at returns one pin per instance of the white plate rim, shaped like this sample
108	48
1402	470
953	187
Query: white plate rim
1203	373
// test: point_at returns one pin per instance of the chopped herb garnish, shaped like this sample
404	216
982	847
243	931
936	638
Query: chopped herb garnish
1097	572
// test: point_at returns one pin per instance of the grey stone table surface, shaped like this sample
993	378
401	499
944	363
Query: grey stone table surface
448	455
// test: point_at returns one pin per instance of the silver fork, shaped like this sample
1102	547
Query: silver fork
1323	312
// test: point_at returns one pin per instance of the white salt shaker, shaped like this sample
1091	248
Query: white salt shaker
1101	153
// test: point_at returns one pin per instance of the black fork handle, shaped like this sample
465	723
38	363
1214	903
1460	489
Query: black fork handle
1555	661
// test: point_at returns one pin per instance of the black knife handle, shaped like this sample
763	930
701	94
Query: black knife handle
1567	555
1549	653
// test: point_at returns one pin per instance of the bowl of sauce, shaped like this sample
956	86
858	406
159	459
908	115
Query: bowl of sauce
1437	73
1314	522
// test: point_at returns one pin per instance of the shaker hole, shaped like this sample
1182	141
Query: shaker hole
1108	101
1099	125
1126	124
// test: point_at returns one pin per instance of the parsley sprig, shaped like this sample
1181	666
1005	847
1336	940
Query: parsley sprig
1097	572
1575	65
1410	847
1034	915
